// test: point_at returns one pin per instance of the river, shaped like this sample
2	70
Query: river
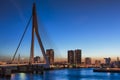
67	74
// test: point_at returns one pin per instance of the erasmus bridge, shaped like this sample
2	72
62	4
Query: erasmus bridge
34	32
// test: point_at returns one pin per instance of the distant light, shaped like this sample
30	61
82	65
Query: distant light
12	76
108	73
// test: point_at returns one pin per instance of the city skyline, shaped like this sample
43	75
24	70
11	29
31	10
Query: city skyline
92	26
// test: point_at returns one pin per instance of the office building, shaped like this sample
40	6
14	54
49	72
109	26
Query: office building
50	55
77	56
71	57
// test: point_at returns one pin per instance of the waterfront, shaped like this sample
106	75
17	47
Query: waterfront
67	74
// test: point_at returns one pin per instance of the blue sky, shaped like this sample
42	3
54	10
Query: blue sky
90	25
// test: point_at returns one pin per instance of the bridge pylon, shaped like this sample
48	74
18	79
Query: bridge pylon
36	32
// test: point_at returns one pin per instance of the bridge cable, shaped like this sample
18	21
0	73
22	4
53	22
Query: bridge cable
21	38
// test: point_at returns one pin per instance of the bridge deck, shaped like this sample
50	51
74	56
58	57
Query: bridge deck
10	65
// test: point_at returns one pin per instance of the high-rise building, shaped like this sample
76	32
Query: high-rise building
77	56
71	57
88	60
37	59
50	55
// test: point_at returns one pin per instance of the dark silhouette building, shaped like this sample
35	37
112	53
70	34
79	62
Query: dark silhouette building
50	55
37	59
78	56
107	60
88	60
74	57
71	57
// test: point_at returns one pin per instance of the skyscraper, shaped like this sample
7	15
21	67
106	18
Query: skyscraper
71	57
78	56
50	55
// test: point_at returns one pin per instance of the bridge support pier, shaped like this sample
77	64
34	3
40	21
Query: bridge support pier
5	72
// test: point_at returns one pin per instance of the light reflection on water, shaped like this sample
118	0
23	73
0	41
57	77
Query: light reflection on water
67	74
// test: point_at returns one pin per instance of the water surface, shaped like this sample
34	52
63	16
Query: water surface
67	74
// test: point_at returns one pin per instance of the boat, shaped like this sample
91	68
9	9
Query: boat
117	70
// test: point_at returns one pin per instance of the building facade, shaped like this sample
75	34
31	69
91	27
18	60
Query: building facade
74	56
88	60
71	57
50	55
77	56
107	60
